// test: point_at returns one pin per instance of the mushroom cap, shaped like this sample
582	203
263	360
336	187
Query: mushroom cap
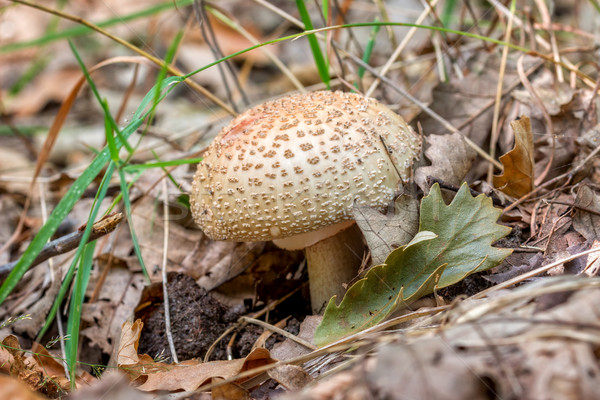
299	164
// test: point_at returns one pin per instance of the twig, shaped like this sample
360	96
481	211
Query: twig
531	274
280	331
69	242
164	273
257	314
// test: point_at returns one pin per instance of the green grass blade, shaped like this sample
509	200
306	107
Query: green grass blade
81	283
136	243
322	65
130	168
163	71
107	114
110	140
448	12
86	234
74	193
369	49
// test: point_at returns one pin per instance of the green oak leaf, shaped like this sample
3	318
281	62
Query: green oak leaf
453	241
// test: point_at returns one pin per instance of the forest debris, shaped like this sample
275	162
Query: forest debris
504	343
592	267
290	349
454	241
554	96
228	391
209	262
112	386
187	375
292	377
116	302
37	368
64	244
197	319
386	232
458	101
518	176
585	222
273	275
14	389
451	158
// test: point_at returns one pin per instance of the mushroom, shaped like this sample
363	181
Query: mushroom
291	170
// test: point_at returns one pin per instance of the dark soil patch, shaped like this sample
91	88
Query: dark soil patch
197	320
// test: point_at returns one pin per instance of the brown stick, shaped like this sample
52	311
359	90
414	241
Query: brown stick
68	242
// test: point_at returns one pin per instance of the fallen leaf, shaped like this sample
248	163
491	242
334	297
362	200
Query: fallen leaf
292	377
112	386
291	349
386	232
228	391
14	389
187	375
584	222
190	375
453	241
518	176
128	345
451	158
117	300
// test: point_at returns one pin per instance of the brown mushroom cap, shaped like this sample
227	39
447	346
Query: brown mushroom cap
298	164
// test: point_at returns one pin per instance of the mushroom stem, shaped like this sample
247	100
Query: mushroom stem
333	262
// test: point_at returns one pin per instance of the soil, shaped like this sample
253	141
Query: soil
197	321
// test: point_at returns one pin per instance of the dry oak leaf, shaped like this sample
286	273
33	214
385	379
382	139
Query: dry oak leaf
190	375
518	176
130	340
451	159
187	375
386	232
585	222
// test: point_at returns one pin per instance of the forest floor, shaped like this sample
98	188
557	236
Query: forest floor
506	102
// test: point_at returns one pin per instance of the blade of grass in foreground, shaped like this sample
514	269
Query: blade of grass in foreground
86	233
322	66
81	283
160	164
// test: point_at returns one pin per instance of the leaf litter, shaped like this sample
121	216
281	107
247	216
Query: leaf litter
476	342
